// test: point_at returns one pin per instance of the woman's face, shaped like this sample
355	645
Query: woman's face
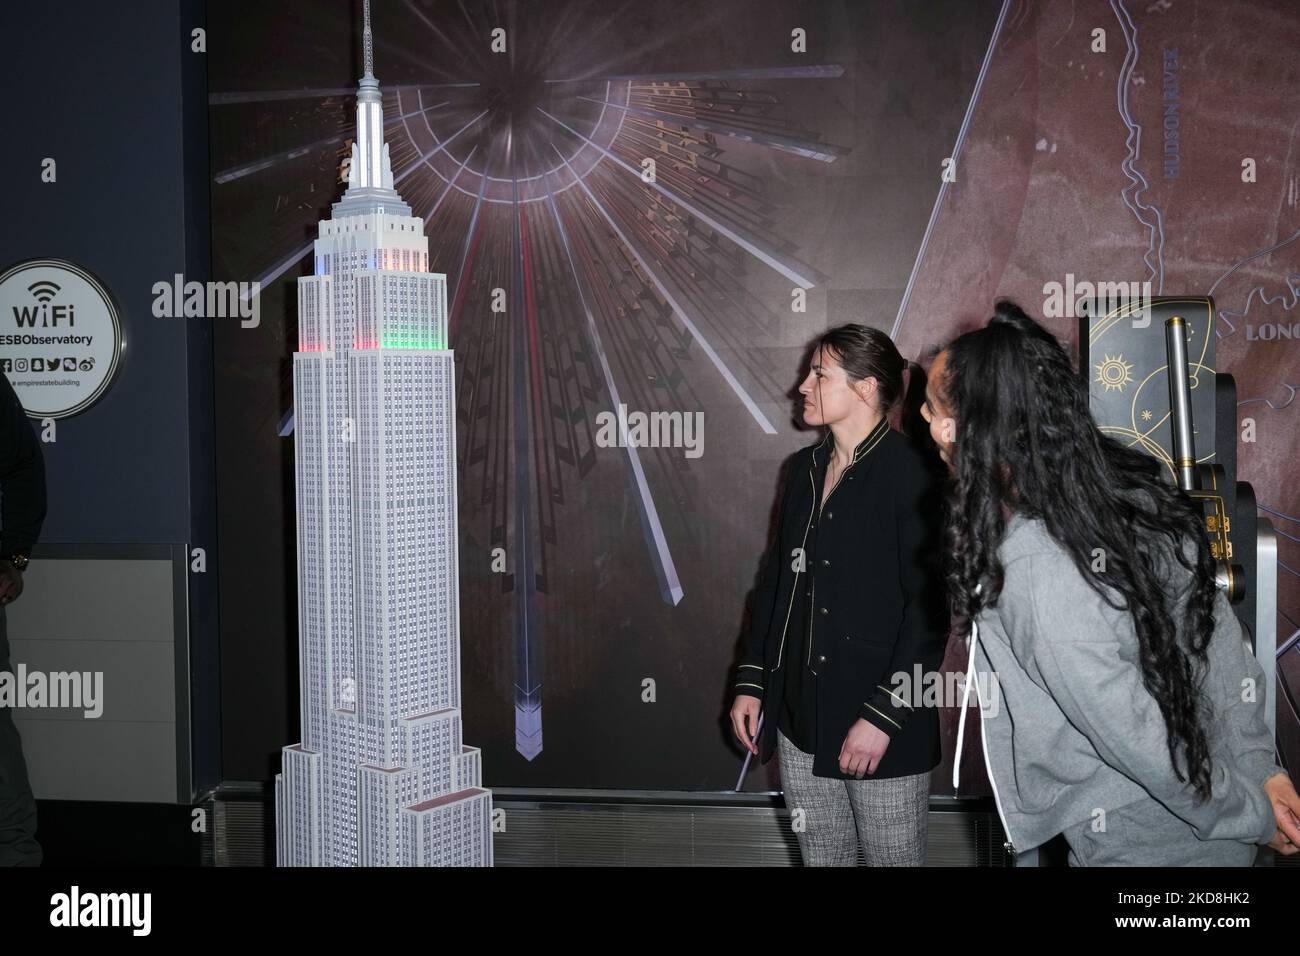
943	424
828	396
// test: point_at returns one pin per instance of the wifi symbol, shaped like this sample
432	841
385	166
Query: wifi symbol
44	291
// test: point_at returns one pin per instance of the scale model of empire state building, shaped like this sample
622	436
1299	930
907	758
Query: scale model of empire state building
381	777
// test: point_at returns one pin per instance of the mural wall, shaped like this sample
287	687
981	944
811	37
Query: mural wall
645	211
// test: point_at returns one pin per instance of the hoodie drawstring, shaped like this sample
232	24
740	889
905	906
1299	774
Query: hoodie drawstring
972	639
984	742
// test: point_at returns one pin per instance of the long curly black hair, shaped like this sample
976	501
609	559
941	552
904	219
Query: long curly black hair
1026	441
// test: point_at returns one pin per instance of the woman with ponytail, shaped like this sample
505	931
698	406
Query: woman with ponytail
1128	713
848	615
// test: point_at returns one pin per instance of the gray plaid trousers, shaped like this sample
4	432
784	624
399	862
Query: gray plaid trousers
888	817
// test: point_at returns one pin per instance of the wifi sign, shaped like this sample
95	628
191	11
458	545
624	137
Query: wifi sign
60	337
43	291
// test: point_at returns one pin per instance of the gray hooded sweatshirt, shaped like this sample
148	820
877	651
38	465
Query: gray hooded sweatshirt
1069	729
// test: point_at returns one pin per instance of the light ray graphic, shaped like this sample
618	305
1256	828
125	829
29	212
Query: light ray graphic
797	272
577	284
956	159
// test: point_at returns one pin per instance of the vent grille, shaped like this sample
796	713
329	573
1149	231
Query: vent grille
607	828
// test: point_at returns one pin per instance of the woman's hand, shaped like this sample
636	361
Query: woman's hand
863	747
744	720
1286	808
11	583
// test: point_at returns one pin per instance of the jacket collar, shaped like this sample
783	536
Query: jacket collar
874	437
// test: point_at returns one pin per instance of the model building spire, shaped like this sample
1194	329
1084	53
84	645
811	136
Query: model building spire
368	52
370	175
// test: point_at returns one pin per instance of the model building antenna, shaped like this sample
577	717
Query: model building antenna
368	50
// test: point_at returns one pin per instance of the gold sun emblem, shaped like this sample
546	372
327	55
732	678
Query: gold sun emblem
1146	414
1114	373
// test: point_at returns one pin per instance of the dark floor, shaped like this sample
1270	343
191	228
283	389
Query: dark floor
77	834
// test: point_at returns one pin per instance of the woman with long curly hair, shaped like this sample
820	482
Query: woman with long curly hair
1130	715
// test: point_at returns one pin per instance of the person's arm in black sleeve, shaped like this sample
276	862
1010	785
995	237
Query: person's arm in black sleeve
921	633
751	673
22	477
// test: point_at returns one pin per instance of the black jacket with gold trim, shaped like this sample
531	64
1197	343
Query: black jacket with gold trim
875	599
